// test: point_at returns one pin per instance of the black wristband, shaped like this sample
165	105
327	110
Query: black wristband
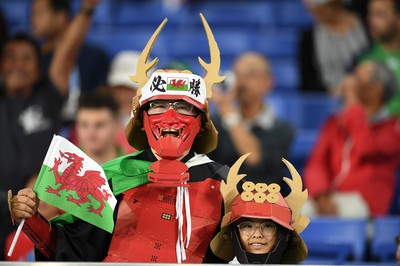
87	11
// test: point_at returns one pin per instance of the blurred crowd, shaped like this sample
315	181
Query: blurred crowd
53	82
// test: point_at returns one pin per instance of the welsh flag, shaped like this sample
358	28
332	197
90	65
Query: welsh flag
72	181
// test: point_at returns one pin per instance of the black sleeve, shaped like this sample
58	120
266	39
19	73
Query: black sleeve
310	77
80	241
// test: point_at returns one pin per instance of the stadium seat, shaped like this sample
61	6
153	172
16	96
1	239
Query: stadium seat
285	74
194	43
16	14
149	14
335	240
307	113
236	14
133	39
276	43
304	111
310	111
383	245
300	150
293	14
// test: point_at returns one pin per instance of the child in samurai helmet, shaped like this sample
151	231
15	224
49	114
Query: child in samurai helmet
260	226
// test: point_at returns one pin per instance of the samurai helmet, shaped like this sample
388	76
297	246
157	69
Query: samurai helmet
262	201
174	85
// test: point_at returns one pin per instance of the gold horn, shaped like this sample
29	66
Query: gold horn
229	190
211	68
296	198
143	67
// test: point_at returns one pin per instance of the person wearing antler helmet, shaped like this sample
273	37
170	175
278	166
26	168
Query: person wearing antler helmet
260	226
169	203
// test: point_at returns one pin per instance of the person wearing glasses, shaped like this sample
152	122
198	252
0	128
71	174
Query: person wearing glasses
169	202
257	236
261	226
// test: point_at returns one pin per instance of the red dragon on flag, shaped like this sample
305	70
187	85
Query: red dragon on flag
72	181
84	185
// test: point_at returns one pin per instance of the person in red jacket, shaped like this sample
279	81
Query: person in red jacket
351	171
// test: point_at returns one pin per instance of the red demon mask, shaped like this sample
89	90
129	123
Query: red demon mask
170	134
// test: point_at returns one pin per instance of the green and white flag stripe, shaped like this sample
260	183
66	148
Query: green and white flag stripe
72	181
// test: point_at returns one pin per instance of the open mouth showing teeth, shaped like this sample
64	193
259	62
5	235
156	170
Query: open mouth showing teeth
257	244
177	133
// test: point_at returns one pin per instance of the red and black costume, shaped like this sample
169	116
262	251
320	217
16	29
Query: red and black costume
173	217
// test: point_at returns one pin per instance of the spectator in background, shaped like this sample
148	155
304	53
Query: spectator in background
50	20
247	124
30	106
122	89
384	25
351	171
120	86
329	48
97	126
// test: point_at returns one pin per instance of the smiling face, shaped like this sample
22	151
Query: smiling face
19	67
257	236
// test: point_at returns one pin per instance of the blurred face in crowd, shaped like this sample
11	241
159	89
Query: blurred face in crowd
19	67
324	13
382	19
44	21
252	78
96	129
257	236
368	91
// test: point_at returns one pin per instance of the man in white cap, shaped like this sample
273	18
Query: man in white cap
123	90
119	84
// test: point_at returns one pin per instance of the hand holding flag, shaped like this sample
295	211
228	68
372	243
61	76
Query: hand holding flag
72	181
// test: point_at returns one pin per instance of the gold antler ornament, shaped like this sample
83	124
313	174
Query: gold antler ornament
212	68
142	66
296	198
228	189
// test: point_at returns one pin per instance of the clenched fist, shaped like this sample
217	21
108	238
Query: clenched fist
24	204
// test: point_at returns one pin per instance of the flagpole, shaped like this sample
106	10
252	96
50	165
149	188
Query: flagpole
14	242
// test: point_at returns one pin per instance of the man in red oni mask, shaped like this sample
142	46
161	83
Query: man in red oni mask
169	201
